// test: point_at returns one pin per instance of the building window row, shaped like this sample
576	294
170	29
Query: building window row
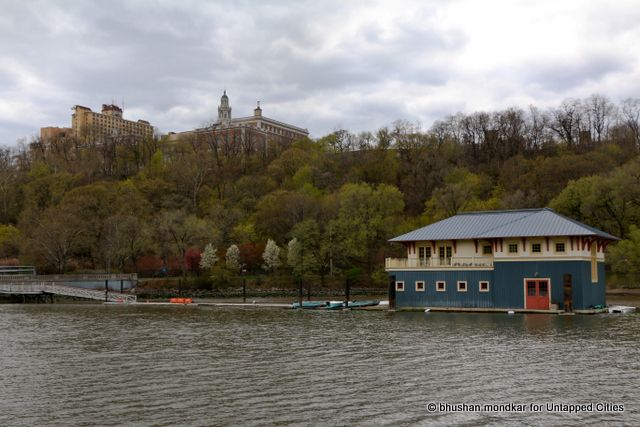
441	286
445	252
536	248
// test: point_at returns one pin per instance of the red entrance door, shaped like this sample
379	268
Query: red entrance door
537	294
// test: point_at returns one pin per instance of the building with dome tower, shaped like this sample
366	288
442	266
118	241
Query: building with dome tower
255	132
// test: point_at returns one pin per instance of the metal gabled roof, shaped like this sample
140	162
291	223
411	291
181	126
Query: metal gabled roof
501	224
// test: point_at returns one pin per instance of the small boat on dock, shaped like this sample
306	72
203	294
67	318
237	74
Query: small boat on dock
621	309
365	303
334	305
310	304
180	301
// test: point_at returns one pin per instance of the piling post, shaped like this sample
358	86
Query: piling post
392	292
244	286
347	286
300	292
121	286
106	290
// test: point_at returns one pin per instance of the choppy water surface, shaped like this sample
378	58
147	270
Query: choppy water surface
106	365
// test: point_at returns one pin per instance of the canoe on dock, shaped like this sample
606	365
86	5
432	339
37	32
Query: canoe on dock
366	303
335	305
310	304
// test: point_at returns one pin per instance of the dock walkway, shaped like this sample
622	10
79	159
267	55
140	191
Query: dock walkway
55	288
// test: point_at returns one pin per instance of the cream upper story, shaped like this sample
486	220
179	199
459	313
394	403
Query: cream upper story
478	239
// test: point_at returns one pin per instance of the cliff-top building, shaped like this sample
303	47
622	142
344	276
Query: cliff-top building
89	124
256	127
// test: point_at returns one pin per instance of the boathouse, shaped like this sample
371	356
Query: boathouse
528	259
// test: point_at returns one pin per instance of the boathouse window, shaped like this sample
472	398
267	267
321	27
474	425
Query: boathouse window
559	247
484	286
462	286
513	248
400	286
419	286
445	255
486	250
536	248
424	254
441	286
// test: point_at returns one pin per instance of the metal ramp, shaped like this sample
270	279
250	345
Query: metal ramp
36	288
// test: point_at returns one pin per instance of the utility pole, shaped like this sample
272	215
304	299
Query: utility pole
244	284
330	252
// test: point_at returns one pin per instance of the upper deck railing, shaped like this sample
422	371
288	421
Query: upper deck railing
453	262
17	270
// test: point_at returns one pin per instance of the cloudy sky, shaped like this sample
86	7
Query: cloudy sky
322	65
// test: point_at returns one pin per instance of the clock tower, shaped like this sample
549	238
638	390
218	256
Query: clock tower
224	111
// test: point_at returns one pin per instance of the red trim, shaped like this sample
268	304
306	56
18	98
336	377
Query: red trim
501	250
588	241
475	242
547	240
571	239
602	244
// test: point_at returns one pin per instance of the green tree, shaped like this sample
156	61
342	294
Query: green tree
461	192
178	231
366	219
278	212
624	256
316	245
294	256
610	202
53	237
9	240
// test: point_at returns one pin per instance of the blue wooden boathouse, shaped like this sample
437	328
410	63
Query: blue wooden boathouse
528	259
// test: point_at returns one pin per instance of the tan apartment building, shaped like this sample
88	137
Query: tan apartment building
108	123
89	124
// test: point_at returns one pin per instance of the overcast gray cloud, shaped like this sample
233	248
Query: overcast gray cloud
316	64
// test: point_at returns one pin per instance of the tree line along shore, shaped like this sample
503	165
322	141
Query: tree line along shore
211	209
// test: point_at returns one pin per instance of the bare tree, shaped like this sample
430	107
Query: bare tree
599	112
631	117
536	126
566	121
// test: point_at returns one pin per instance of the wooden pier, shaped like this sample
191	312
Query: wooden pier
21	284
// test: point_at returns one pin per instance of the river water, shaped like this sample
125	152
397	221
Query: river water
158	366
